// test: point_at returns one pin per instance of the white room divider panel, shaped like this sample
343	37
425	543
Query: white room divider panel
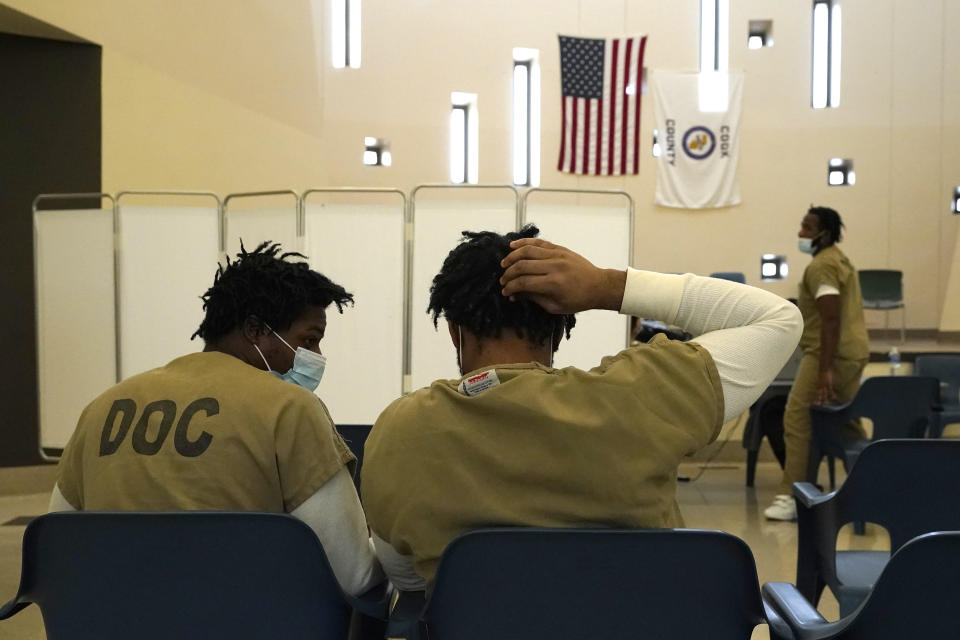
439	214
599	226
76	328
356	237
259	216
167	258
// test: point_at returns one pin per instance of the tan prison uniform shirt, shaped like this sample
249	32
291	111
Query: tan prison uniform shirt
538	446
831	267
205	432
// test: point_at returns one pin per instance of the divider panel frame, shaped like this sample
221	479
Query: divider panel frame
405	239
572	243
418	378
71	408
298	216
215	248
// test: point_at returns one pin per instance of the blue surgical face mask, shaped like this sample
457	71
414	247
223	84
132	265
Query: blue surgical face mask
308	366
805	245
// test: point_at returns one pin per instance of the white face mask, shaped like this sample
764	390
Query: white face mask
308	366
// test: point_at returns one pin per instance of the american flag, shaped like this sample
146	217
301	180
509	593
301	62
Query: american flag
601	105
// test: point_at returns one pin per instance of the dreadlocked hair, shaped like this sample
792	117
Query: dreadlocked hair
267	286
830	222
467	291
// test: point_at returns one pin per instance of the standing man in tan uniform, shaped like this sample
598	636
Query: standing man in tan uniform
515	441
835	346
235	427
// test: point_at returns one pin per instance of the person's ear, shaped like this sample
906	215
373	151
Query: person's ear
253	329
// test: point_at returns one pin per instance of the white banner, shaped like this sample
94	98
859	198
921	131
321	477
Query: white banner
698	124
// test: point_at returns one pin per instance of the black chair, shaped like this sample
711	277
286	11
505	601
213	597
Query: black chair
916	597
907	486
355	435
945	368
766	417
732	276
560	584
882	289
179	575
898	406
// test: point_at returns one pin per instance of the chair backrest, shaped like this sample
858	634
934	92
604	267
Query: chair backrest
355	435
733	276
589	583
916	596
908	486
180	575
881	284
946	369
898	406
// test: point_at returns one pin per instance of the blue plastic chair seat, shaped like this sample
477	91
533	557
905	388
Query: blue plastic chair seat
858	572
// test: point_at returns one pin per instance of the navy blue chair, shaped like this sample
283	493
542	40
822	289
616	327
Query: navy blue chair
355	435
157	575
916	596
882	289
907	486
945	368
732	276
564	584
898	406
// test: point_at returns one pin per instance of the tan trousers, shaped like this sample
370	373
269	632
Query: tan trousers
796	416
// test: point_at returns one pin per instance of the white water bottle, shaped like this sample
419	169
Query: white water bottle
894	357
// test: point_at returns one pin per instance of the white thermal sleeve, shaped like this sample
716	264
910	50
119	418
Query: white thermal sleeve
399	567
750	333
58	502
335	515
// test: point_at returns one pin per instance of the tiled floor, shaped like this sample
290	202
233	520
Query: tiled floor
717	500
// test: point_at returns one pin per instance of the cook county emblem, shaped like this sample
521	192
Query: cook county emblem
699	142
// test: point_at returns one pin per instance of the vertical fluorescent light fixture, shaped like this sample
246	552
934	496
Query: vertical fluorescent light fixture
458	144
835	53
338	33
464	138
353	33
825	80
713	83
345	33
526	121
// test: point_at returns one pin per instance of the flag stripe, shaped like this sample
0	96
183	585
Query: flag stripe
563	132
613	105
624	115
574	155
636	116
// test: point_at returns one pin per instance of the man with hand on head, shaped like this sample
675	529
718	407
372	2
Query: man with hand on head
235	427
516	442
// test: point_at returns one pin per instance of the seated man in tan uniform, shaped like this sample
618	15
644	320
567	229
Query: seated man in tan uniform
235	427
515	441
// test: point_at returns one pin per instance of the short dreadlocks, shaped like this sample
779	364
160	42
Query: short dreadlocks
467	291
267	286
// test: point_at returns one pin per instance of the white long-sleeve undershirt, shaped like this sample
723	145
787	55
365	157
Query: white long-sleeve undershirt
335	515
749	333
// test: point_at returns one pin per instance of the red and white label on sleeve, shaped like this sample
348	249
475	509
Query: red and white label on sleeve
479	383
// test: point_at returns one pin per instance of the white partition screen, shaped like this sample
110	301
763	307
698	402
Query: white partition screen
597	227
76	330
260	217
168	257
360	246
438	220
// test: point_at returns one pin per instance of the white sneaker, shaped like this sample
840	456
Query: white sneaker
783	508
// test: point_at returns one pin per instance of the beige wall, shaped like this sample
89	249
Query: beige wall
227	96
